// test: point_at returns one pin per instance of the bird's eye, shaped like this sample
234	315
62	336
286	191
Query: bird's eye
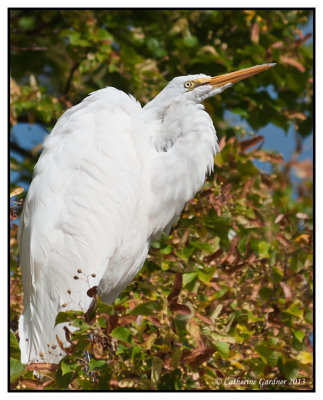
188	84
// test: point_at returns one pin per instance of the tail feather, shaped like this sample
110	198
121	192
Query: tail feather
37	332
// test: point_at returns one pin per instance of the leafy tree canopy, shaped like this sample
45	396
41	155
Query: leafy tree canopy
229	294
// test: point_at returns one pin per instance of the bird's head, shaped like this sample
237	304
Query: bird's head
200	87
208	86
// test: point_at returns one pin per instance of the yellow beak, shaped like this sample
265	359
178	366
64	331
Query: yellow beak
233	77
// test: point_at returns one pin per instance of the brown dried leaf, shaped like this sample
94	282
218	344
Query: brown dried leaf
226	191
49	382
203	318
255	33
113	322
42	366
30	383
213	256
301	40
279	218
246	144
268	156
13	214
176	288
251	258
127	319
68	335
98	351
197	356
179	308
150	341
232	255
194	330
303	169
60	343
16	191
89	315
93	291
36	149
255	291
281	238
287	291
295	114
303	238
247	185
293	63
222	142
277	45
154	321
300	215
132	304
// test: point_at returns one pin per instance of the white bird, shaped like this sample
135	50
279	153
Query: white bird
112	176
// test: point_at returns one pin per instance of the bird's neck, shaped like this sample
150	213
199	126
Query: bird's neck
180	167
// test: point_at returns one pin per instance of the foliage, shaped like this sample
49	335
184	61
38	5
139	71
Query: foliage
59	56
228	295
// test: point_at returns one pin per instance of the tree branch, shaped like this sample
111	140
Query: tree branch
70	77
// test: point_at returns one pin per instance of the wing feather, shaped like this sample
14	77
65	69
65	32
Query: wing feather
79	206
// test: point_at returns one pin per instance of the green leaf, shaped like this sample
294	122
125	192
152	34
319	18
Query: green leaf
136	350
63	380
156	369
122	333
102	322
277	274
263	249
177	353
166	250
171	381
96	364
305	358
67	316
156	47
202	246
14	346
16	369
68	364
188	278
216	312
207	274
265	293
146	308
295	309
186	253
82	344
252	318
191	41
220	293
299	335
289	369
180	325
223	349
76	40
26	22
81	325
268	355
104	308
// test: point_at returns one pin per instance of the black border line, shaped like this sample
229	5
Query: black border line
313	9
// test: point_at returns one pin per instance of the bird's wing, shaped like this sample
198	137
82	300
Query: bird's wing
79	206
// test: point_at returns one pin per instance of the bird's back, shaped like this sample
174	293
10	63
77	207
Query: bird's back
79	207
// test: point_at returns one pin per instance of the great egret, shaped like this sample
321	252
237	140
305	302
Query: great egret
112	175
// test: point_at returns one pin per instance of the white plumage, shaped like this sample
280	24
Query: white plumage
112	175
